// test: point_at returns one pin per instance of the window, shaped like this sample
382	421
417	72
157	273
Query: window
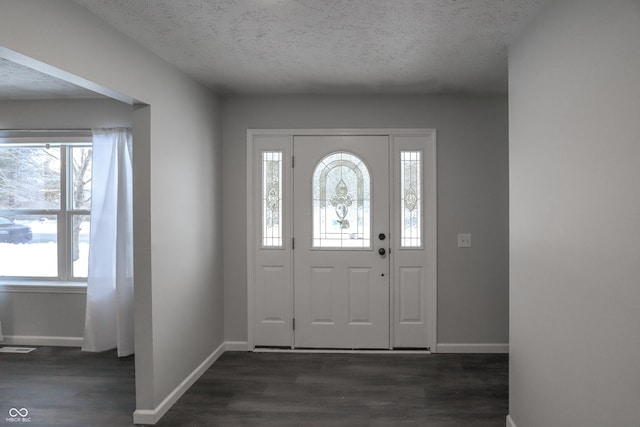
45	202
272	199
341	202
410	199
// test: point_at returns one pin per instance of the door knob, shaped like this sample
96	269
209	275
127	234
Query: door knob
381	236
381	251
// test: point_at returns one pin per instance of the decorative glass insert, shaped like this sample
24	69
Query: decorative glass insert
272	199
410	199
341	202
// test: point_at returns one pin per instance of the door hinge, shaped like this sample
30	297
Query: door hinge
293	243
294	323
293	161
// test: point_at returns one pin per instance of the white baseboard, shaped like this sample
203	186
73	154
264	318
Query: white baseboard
473	348
510	422
152	416
145	416
330	351
42	341
236	346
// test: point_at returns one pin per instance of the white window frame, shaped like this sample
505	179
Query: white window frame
64	213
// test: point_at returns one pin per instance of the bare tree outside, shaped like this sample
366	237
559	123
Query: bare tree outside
29	178
81	159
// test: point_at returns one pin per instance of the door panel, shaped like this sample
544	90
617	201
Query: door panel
274	307
341	282
410	294
321	297
359	295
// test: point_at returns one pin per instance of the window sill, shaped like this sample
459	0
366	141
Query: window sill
43	287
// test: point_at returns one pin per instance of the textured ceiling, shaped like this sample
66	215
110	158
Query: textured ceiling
328	46
18	82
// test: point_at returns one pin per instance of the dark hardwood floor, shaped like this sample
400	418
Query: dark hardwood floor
62	386
65	387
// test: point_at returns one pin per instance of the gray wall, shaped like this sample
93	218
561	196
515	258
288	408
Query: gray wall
52	314
177	171
64	114
575	217
472	196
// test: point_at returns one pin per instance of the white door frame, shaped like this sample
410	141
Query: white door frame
430	215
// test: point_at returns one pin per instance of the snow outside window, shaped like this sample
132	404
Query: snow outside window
45	202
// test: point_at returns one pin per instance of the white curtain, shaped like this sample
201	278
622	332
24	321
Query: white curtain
109	315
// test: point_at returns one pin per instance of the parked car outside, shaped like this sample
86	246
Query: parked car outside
10	232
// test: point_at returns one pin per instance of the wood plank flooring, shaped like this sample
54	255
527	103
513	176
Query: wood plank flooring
65	387
62	386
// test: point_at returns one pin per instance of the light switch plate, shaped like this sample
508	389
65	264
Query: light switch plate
464	240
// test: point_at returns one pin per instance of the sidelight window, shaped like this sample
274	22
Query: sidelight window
272	199
410	199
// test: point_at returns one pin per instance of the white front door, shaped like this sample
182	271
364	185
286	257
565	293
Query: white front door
341	254
316	278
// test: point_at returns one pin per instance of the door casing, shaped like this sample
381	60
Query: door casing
426	138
